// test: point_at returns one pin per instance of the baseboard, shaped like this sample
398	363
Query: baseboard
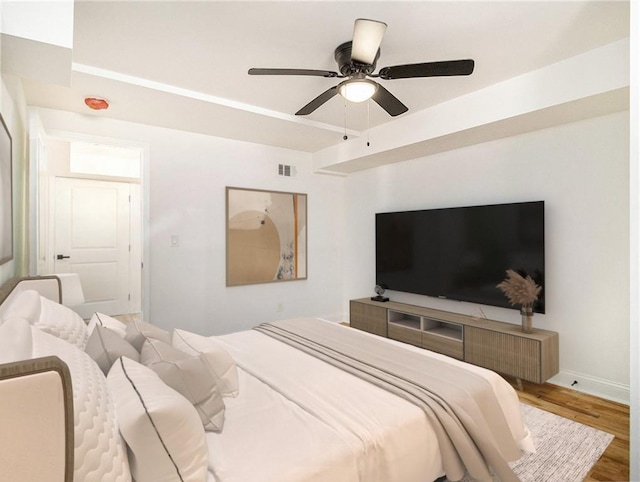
334	317
599	387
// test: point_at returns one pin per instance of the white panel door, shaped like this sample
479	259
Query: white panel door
91	238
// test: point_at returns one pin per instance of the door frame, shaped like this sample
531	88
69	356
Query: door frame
41	211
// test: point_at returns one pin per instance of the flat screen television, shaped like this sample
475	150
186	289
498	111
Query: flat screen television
461	253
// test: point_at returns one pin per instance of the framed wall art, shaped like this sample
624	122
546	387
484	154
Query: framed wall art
266	236
6	195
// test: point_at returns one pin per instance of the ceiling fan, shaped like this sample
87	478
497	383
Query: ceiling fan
357	61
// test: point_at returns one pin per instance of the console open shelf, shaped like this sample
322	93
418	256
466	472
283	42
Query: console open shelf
443	328
403	319
499	346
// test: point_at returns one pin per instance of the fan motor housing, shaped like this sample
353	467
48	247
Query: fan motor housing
349	68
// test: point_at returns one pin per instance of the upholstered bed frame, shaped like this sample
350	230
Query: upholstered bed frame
48	286
36	405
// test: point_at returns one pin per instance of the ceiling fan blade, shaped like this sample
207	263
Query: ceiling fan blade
318	101
389	102
428	69
311	72
367	36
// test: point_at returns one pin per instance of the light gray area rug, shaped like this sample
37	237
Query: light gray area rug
565	450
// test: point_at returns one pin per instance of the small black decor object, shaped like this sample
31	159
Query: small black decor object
380	289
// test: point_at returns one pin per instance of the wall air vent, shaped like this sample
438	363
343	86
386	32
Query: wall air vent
286	170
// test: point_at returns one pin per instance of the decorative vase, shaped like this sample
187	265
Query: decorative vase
527	319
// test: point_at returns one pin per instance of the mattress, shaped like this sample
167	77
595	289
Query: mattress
299	419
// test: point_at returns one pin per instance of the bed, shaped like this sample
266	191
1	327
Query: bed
261	406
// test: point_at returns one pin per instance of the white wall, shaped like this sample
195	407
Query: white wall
580	170
185	180
634	201
13	109
188	175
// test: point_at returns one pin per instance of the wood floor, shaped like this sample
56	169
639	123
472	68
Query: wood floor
128	318
602	414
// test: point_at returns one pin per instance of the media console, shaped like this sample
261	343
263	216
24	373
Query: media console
501	347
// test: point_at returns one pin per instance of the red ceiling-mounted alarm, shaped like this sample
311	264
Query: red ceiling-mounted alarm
96	104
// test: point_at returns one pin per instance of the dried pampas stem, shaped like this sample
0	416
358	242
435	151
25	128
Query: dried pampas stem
520	290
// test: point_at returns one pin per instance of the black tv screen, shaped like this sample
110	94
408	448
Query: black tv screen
461	253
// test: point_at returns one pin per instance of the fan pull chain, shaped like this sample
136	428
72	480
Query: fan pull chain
368	120
345	137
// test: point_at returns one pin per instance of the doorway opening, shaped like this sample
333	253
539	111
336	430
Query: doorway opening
90	221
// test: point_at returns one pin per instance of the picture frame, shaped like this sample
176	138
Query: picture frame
6	194
266	236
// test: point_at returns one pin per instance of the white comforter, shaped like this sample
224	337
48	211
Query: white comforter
298	419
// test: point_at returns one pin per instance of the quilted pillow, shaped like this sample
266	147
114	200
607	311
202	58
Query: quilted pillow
100	452
189	375
139	331
15	340
219	359
105	347
99	319
163	431
62	322
26	305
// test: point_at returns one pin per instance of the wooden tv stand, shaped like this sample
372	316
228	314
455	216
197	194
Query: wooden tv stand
498	346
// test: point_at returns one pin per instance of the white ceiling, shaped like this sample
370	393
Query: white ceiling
184	65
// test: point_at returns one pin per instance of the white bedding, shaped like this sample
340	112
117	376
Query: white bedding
294	419
323	424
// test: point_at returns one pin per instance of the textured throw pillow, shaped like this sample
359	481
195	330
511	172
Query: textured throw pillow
100	452
26	305
139	331
217	357
99	319
15	340
106	346
191	376
163	431
62	322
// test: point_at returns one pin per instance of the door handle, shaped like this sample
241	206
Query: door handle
61	256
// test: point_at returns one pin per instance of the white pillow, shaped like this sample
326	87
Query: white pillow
106	346
189	375
100	452
163	431
99	319
217	357
26	305
139	331
15	340
62	322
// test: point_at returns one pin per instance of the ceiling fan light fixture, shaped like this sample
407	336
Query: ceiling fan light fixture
357	90
357	61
